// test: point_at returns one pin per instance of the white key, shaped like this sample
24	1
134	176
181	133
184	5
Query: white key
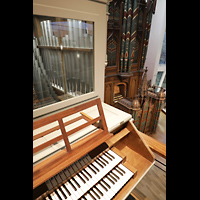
71	190
94	178
119	175
97	175
63	189
52	196
47	198
109	192
101	172
93	194
90	181
89	184
112	163
111	188
114	160
125	169
88	176
85	185
87	196
103	191
78	191
98	193
80	182
115	155
61	195
112	184
107	168
56	196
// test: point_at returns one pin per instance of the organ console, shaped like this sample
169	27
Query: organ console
93	165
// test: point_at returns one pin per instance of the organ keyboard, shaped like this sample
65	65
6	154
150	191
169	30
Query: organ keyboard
98	166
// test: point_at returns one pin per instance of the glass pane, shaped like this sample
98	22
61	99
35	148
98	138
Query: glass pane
63	65
158	77
163	51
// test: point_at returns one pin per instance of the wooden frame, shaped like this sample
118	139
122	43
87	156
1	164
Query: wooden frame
72	152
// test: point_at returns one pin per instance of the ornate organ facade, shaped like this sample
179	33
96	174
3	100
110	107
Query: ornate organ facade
129	25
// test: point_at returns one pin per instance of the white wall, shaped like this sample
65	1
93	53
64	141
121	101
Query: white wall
158	26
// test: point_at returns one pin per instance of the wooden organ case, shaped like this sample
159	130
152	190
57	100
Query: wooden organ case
98	165
128	31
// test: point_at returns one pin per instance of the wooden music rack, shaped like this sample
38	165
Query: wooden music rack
49	167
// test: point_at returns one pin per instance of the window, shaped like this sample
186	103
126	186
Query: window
62	59
93	20
163	51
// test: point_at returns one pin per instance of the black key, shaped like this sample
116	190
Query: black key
62	175
53	181
70	169
66	190
106	183
58	195
85	160
41	189
49	184
81	178
78	165
87	173
72	185
103	186
98	150
62	193
49	197
91	196
67	173
77	185
121	169
99	164
95	167
58	179
110	180
88	158
74	167
98	190
108	156
81	162
112	177
113	173
84	176
92	169
105	160
96	194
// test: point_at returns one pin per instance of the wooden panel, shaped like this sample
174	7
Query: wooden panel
108	94
53	165
55	117
155	145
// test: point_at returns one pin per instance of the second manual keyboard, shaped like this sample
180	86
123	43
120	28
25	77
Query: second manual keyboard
91	177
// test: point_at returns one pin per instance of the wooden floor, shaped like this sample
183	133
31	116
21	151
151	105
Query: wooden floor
153	184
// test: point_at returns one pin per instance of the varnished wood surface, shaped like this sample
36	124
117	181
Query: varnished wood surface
153	185
138	155
155	145
160	132
53	165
